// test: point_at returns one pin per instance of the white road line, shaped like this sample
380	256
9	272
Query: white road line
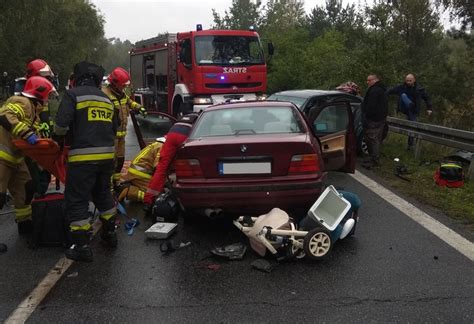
446	234
29	304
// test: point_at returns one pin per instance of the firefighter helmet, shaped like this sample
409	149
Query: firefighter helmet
119	78
87	71
39	67
39	88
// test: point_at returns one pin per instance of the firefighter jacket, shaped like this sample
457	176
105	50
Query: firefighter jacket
143	165
17	118
90	121
176	136
124	104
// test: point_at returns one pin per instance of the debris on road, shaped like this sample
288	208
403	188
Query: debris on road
262	265
73	275
169	246
234	251
130	225
161	230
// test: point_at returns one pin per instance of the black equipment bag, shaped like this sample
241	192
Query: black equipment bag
166	208
49	223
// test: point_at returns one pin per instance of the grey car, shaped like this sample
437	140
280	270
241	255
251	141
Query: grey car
309	98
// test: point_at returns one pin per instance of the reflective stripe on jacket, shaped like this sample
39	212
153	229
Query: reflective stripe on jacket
17	117
124	105
89	117
143	165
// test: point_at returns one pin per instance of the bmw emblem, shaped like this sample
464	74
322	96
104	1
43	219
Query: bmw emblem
243	148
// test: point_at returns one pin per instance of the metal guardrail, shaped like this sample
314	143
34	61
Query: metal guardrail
450	137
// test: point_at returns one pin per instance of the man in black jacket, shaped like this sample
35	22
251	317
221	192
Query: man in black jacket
410	95
374	118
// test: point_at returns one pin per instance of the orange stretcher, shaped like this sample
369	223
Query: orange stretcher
47	154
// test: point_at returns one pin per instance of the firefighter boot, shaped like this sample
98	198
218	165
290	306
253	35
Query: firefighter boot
108	234
25	227
80	249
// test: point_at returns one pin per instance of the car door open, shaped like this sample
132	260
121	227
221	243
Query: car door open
155	125
333	124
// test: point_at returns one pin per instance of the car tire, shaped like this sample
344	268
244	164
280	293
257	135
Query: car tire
317	243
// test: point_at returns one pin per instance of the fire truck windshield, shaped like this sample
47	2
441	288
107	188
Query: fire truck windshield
228	50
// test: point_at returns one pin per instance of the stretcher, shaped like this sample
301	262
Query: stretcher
330	218
47	154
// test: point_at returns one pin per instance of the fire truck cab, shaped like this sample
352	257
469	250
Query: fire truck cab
185	72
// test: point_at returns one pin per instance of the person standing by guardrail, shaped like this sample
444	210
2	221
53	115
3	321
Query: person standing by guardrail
411	93
374	118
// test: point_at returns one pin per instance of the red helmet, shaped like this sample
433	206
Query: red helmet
119	78
39	67
38	87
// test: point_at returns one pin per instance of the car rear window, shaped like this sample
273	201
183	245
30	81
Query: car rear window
247	121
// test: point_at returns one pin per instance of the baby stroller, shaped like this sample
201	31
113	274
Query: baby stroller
327	220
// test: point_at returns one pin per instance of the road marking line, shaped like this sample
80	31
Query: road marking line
29	304
446	234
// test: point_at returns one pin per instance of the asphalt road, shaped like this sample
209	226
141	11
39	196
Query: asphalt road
392	270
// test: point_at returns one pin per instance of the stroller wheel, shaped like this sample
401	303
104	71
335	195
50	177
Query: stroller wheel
317	243
296	251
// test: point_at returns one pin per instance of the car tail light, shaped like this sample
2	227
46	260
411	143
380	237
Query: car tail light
188	168
305	163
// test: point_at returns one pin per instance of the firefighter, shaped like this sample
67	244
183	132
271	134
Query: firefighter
17	117
117	81
176	136
87	118
38	67
140	172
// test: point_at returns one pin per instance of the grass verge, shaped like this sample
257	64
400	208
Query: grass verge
457	203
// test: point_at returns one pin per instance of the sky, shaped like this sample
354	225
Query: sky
142	19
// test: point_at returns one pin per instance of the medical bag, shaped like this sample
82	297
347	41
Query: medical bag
49	223
449	174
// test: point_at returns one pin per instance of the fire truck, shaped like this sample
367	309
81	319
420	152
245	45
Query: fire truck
185	72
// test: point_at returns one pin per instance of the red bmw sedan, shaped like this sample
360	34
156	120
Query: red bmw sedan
248	157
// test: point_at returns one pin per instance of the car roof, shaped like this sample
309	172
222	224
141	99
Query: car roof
306	93
252	104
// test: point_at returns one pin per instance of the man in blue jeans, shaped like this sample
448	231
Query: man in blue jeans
410	95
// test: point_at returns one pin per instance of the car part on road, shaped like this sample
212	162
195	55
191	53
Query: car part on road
234	251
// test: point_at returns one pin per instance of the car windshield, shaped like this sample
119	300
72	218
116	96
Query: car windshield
248	121
297	101
228	50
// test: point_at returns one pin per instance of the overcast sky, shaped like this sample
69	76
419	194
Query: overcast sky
141	19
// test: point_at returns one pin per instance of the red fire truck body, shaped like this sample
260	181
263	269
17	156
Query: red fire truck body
184	72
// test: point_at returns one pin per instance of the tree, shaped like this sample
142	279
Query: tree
117	54
282	16
61	32
242	15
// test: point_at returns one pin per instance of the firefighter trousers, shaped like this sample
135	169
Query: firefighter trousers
17	180
88	182
119	157
136	190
